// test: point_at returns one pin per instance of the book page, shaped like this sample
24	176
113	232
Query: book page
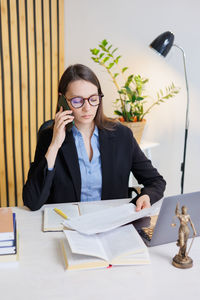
133	259
85	244
53	221
77	261
108	219
121	242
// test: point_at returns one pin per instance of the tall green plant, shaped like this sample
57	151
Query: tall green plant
130	104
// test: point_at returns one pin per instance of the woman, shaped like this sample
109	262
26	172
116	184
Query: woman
93	160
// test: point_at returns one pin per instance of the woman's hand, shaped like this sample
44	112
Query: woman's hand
62	118
143	202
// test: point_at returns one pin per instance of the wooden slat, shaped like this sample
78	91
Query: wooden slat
31	48
8	110
39	62
54	55
47	59
3	198
16	102
61	37
24	87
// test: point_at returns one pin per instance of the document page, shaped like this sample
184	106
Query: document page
94	206
108	219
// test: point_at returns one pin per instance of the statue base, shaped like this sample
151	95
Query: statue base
182	263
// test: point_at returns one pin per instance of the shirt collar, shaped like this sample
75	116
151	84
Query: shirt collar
76	132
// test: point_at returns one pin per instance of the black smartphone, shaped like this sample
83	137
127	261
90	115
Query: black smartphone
63	102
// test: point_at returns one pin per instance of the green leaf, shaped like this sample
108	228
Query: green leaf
124	69
114	50
95	51
103	48
116	74
106	59
119	113
117	59
101	55
110	66
133	98
104	42
95	59
109	47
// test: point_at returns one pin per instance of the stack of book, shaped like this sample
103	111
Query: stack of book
8	235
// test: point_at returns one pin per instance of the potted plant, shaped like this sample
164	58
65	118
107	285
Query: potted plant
131	102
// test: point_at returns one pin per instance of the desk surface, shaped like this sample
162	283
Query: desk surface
40	272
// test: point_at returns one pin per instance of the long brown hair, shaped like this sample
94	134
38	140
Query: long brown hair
81	72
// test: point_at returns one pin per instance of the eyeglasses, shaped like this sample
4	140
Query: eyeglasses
78	102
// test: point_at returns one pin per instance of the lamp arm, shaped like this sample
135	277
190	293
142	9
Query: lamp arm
186	84
186	120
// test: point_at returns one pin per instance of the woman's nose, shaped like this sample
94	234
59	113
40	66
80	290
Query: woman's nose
86	105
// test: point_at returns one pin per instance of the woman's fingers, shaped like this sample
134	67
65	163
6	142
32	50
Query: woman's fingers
65	118
143	202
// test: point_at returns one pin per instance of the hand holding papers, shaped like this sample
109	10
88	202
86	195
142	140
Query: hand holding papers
109	218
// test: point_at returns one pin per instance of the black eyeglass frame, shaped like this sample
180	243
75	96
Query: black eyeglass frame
88	99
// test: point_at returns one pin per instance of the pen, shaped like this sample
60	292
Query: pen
58	211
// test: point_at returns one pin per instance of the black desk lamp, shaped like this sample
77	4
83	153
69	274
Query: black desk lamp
162	44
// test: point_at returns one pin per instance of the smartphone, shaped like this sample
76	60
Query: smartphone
63	102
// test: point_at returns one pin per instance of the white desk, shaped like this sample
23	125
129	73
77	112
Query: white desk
40	273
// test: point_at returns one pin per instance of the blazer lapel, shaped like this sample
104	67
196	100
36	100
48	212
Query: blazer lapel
70	155
106	141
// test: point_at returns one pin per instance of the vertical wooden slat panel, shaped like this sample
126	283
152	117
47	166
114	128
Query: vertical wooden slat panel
47	59
16	102
8	105
54	55
39	61
32	85
61	37
31	63
3	193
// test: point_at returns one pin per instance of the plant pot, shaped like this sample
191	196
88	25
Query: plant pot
137	129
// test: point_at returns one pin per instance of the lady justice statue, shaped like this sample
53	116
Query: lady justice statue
182	260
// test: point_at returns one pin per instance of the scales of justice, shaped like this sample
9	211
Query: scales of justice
182	260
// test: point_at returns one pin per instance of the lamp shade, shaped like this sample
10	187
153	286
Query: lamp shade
163	43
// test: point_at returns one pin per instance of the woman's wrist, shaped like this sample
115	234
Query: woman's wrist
51	155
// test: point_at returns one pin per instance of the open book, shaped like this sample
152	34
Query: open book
121	246
54	222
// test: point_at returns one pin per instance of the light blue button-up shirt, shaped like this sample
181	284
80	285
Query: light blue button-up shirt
91	175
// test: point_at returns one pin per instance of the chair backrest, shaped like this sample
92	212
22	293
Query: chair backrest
45	125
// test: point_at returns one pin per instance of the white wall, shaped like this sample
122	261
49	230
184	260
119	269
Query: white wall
131	25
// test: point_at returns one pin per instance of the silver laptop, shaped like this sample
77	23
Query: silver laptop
163	232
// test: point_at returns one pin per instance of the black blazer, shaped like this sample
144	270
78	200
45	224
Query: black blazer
120	154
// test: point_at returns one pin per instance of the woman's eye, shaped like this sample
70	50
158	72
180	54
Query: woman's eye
77	100
93	99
